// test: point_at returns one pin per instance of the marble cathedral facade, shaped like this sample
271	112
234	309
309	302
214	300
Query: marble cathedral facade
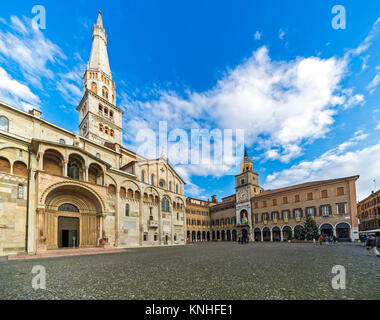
60	189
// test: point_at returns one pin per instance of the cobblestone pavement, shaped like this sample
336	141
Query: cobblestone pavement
200	271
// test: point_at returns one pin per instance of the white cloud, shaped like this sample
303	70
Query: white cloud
375	81
336	163
257	35
17	94
29	48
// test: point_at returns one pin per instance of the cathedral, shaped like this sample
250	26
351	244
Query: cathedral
59	189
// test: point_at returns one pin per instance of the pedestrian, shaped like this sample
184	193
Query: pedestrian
320	240
327	240
334	240
371	245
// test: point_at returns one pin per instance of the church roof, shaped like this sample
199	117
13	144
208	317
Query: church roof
246	157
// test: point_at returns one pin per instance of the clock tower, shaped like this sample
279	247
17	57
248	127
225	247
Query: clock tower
247	186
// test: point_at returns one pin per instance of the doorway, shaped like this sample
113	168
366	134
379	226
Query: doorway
68	232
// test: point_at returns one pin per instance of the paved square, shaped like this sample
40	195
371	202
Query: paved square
200	271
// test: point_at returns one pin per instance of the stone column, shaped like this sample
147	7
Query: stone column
271	236
65	164
334	231
282	235
262	236
85	174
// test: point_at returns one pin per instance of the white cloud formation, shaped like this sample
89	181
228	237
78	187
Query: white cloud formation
375	81
336	163
17	94
280	105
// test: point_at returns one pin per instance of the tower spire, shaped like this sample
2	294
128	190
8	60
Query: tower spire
99	55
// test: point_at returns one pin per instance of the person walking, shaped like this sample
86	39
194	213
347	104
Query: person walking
371	245
320	240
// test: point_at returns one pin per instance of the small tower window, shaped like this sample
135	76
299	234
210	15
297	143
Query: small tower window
106	130
100	108
98	155
111	114
112	133
94	88
106	111
61	141
20	192
100	127
4	124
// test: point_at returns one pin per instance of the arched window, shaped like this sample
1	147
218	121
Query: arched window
105	93
170	186
176	188
20	169
112	133
152	179
111	114
5	165
94	88
127	210
4	124
100	127
68	207
106	130
106	111
123	192
162	183
61	141
98	156
165	206
143	176
100	108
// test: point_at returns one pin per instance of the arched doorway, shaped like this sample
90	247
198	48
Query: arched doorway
188	234
193	236
327	229
276	234
266	234
234	235
343	231
199	236
287	233
223	235
298	232
213	235
72	216
257	234
218	235
208	235
228	235
204	236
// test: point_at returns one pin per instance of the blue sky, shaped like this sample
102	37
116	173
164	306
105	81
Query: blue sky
306	95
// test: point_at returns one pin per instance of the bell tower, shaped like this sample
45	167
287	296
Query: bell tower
247	186
100	119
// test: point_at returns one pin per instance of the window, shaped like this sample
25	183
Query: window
145	237
155	237
68	207
106	111
310	196
170	186
242	181
152	179
285	214
106	130
143	176
94	88
297	198
275	202
165	206
20	191
256	205
341	209
340	191
161	183
324	194
4	124
275	215
127	210
176	188
98	155
298	213
111	114
20	153
112	133
311	211
264	204
325	210
100	127
265	216
100	108
285	200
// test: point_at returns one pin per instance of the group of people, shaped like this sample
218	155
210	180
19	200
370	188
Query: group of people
328	240
243	240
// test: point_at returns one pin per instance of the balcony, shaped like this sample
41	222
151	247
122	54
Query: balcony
153	224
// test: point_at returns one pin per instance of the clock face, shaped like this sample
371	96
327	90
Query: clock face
243	195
